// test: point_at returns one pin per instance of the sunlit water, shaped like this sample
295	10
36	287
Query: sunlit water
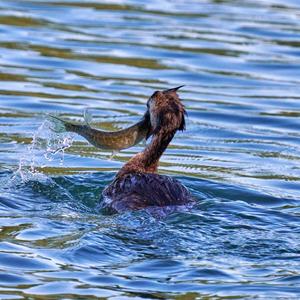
240	154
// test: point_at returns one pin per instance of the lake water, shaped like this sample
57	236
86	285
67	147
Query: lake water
240	155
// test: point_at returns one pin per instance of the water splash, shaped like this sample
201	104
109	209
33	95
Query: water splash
46	146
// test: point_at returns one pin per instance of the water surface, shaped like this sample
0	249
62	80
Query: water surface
240	154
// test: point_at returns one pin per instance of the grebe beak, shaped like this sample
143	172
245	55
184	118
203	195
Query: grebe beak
173	89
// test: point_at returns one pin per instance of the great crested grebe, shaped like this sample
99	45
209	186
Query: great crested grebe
137	185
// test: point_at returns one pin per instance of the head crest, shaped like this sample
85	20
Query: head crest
174	89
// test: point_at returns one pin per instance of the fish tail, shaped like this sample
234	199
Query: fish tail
59	125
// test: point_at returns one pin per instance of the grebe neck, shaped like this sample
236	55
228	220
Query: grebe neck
147	160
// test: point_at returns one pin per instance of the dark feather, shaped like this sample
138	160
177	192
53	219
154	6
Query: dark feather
146	119
136	191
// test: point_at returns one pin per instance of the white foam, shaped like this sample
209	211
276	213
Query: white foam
46	146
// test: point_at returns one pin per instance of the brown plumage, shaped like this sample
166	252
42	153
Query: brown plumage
136	185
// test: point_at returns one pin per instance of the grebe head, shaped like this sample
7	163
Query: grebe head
166	110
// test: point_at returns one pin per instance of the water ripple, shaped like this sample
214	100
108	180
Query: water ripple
239	156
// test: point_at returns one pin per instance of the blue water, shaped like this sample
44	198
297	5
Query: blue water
240	155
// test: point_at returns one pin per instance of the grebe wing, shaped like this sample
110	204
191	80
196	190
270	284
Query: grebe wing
137	191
